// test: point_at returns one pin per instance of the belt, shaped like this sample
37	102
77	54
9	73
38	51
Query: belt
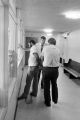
50	67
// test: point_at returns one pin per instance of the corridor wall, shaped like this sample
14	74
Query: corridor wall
74	45
11	66
62	44
70	46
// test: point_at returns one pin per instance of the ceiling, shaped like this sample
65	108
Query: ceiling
40	14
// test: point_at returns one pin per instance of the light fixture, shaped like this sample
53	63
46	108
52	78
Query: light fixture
47	30
49	34
72	14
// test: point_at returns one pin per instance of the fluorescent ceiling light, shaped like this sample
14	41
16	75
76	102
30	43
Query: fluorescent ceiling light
48	30
49	34
72	14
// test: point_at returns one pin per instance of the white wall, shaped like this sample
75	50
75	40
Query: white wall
20	35
62	43
70	47
1	46
3	54
74	45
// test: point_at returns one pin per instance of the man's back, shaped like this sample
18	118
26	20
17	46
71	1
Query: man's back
51	56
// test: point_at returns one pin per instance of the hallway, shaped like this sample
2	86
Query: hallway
68	107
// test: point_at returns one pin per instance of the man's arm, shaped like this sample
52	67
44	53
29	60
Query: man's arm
25	49
36	56
38	59
42	58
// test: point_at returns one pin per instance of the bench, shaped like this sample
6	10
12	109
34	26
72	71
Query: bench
73	68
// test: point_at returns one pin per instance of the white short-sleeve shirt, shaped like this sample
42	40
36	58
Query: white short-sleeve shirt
51	56
38	46
32	59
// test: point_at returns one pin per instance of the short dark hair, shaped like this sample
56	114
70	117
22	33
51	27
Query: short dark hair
52	41
32	41
43	37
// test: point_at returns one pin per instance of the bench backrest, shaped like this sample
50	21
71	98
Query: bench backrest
73	65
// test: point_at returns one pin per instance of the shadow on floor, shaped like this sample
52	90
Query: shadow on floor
76	81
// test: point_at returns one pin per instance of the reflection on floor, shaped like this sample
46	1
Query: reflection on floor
68	107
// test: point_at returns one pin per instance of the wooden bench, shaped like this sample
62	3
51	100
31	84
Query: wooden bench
73	68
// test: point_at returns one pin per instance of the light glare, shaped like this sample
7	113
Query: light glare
48	30
72	14
49	34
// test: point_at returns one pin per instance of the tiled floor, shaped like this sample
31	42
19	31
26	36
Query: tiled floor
68	107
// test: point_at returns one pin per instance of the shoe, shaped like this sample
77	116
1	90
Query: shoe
48	104
21	97
32	94
55	102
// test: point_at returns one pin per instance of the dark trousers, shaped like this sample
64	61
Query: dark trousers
32	74
50	75
42	81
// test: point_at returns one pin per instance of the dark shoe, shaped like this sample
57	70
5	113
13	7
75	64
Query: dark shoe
48	104
32	94
21	97
55	102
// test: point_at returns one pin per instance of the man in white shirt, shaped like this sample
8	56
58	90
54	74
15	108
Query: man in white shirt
50	57
40	46
32	73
